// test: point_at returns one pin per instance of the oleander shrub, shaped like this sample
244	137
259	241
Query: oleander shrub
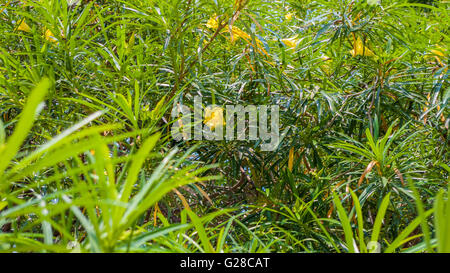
88	162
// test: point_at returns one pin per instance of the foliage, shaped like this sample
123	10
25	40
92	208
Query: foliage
88	164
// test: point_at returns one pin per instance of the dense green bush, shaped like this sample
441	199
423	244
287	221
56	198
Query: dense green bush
87	161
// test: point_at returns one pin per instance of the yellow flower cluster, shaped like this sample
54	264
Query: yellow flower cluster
212	22
48	35
235	33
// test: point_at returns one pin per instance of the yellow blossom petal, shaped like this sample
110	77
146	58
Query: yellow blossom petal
49	36
289	16
291	42
212	22
24	26
236	33
214	117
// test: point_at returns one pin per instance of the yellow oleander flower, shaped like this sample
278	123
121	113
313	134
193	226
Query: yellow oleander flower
23	26
214	117
235	33
291	42
360	49
289	16
49	36
212	22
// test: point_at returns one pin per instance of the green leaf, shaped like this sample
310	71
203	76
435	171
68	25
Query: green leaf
379	218
360	217
201	232
24	125
345	222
